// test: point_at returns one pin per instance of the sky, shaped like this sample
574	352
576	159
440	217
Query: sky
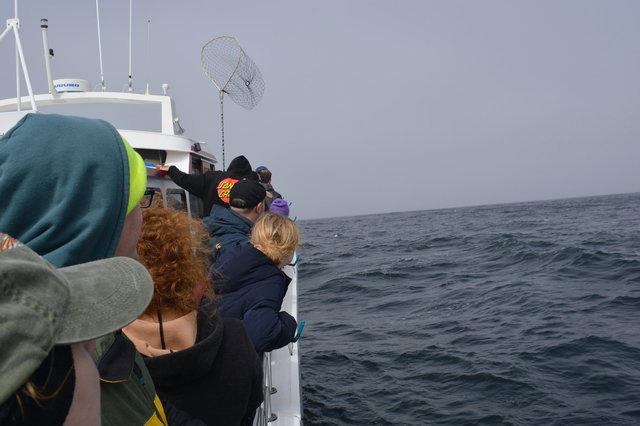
376	106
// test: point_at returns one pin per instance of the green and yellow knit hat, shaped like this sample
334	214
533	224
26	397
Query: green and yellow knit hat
137	176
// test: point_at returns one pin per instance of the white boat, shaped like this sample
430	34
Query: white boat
283	405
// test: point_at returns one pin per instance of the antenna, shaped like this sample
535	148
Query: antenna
104	87
48	53
130	25
146	91
18	97
14	24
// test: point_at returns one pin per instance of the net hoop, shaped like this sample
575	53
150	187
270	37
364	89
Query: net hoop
235	68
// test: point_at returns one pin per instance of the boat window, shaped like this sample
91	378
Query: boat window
153	156
176	199
200	165
196	166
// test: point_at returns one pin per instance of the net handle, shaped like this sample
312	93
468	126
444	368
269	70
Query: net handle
221	94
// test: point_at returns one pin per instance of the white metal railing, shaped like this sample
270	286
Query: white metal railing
264	414
268	389
281	387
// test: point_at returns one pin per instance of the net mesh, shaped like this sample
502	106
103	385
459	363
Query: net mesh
232	71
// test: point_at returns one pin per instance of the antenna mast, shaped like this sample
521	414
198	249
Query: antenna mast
18	97
146	92
14	24
130	25
48	54
104	87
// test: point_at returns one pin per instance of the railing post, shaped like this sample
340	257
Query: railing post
268	389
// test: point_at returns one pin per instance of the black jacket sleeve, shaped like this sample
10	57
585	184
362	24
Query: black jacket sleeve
195	184
269	328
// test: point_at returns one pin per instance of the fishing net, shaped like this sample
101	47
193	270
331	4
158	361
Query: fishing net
233	73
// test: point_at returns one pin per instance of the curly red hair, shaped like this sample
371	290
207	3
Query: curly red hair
173	247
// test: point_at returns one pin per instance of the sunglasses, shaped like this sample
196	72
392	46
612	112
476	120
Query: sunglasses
147	198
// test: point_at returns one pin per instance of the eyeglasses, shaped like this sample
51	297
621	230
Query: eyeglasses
295	261
147	198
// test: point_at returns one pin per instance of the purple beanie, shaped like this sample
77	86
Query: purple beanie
279	206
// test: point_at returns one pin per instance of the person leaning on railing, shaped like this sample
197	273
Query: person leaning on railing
252	286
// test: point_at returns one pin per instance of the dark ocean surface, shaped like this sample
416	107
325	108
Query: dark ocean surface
515	314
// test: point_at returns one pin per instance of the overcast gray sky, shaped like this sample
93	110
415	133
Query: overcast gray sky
378	106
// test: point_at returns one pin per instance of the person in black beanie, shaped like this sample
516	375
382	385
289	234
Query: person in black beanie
213	187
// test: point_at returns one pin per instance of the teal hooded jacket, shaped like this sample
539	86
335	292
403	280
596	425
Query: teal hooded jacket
64	187
64	191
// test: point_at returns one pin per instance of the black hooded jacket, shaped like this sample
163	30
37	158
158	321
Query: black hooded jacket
213	187
252	289
218	380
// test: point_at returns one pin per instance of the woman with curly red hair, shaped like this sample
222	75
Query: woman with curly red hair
201	364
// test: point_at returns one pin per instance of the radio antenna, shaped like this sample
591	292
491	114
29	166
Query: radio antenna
14	25
130	25
48	54
18	97
146	91
104	87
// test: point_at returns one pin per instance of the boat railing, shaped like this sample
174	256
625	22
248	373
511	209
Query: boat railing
281	385
265	415
169	122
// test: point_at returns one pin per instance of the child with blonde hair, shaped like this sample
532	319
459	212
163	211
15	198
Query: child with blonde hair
251	284
277	237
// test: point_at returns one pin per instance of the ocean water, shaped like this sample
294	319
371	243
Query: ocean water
515	314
